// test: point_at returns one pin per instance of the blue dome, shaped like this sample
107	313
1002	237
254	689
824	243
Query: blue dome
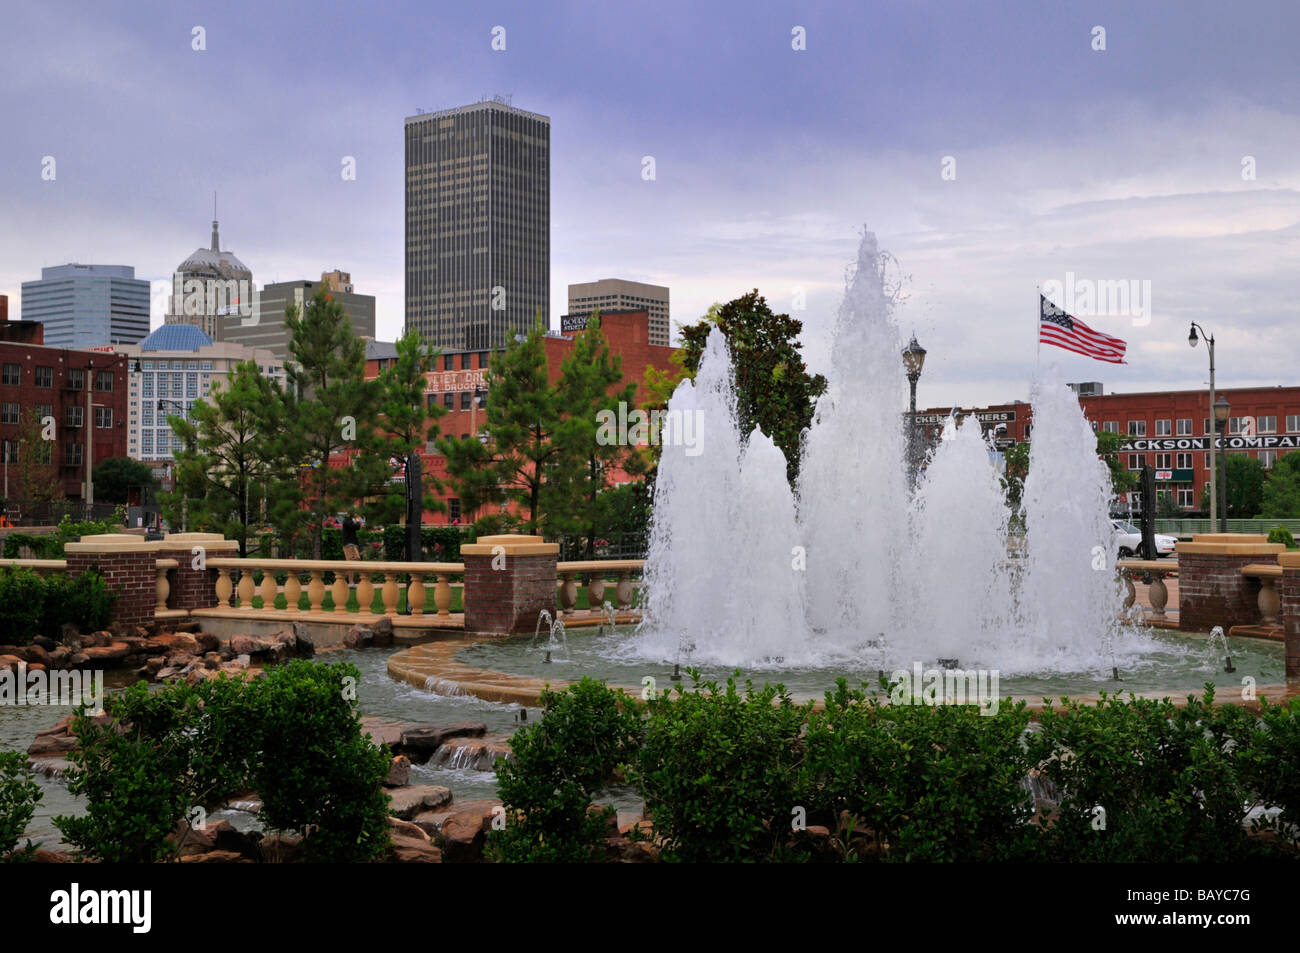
176	337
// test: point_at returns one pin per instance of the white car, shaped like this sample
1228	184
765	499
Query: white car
1129	538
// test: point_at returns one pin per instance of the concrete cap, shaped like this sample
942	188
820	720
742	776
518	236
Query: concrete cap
511	545
109	543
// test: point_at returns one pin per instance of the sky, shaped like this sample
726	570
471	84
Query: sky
992	148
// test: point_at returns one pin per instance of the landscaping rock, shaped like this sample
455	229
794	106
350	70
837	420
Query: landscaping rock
10	662
412	850
464	834
113	652
46	643
399	772
216	857
383	631
37	654
409	801
357	637
382	732
420	743
280	848
479	754
433	820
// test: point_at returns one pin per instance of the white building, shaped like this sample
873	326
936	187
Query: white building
179	364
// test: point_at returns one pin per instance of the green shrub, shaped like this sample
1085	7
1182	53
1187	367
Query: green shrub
1270	766
1282	535
930	782
718	770
294	736
42	545
31	605
439	543
316	769
558	764
19	795
1164	775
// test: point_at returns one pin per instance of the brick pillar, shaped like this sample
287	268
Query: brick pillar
194	588
508	581
1289	590
127	564
1211	589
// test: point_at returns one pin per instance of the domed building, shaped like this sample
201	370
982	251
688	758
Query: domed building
208	284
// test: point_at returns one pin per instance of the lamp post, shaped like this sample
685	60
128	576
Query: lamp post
913	360
1209	344
1221	411
479	394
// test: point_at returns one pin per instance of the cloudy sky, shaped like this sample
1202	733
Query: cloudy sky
990	150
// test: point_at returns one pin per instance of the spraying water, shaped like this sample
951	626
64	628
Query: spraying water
851	565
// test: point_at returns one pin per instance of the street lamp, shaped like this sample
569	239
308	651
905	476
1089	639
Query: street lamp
1209	344
1221	411
913	360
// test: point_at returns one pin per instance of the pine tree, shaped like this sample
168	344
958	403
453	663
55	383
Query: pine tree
330	409
521	418
408	421
229	454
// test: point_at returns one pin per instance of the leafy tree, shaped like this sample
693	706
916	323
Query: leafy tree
408	421
774	391
330	409
116	475
33	472
1245	488
521	419
582	469
1016	459
1281	499
230	451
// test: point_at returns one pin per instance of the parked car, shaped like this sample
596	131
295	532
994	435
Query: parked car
1130	540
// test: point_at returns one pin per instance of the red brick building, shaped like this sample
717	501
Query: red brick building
461	377
83	391
1170	430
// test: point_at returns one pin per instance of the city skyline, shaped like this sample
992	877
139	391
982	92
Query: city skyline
1069	163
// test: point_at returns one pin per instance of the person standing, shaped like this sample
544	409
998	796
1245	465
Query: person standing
351	549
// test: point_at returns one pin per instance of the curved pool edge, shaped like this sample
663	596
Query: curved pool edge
433	667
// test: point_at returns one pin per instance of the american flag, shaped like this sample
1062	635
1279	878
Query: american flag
1064	330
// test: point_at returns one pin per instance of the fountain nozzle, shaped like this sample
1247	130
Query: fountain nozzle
547	660
1228	666
676	676
1114	674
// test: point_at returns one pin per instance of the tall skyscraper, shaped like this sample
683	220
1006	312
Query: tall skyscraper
208	286
88	305
478	224
616	294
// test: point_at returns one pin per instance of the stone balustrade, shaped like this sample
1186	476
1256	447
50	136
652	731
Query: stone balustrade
1269	578
599	571
1153	572
236	584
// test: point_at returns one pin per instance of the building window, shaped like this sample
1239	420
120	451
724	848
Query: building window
76	378
465	398
1163	428
1268	458
146	386
1236	424
1207	461
44	377
1185	497
1293	423
146	365
205	365
1266	424
1136	461
432	401
12	374
192	366
453	510
448	362
72	454
103	418
1185	426
1111	426
146	442
449	400
43	411
104	381
1164	461
9	451
76	416
1137	428
191	386
8	413
1184	461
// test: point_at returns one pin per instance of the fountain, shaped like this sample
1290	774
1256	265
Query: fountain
555	636
851	572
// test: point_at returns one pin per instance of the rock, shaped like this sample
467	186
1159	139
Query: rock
53	746
399	772
51	767
216	857
412	850
43	856
420	743
478	754
243	644
407	829
166	673
207	642
306	647
114	652
357	637
232	669
78	660
280	848
227	653
97	639
433	820
10	662
60	655
48	644
231	839
154	665
383	631
382	732
248	802
463	835
37	654
196	840
199	674
409	801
